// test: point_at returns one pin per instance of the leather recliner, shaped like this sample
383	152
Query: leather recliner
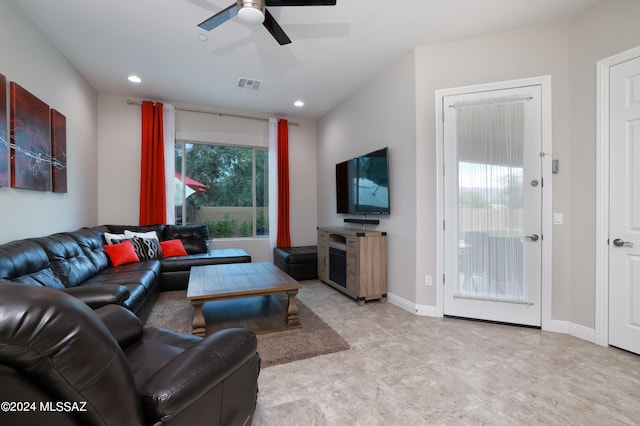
62	363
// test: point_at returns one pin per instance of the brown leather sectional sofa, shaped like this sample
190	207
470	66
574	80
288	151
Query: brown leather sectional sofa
76	263
62	363
74	350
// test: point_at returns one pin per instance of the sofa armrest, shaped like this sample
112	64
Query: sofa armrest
123	324
197	370
99	295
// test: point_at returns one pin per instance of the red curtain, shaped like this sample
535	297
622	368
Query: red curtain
284	237
152	183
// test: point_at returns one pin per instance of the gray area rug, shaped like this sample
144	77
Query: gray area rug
173	311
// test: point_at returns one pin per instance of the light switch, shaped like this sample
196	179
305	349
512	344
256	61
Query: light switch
558	219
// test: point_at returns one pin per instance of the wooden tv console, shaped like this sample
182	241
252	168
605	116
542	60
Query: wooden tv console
353	261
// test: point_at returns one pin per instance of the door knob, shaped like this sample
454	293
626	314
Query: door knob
533	237
619	242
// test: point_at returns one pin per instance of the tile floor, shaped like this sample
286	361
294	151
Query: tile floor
405	370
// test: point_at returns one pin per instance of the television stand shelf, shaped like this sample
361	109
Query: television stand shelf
354	262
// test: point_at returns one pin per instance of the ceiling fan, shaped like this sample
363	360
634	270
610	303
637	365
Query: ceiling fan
255	12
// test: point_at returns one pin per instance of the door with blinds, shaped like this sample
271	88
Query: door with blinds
493	205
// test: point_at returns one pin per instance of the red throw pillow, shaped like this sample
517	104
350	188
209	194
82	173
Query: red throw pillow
121	253
172	248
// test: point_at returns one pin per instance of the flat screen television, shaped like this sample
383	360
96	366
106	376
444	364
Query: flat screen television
362	184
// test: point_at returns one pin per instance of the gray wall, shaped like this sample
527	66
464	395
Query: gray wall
383	114
604	31
528	52
377	115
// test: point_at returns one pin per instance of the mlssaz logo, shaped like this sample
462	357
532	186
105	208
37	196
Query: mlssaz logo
63	406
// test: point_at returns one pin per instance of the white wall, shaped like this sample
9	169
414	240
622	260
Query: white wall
119	170
382	114
29	59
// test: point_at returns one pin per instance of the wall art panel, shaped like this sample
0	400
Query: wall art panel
4	141
30	132
58	152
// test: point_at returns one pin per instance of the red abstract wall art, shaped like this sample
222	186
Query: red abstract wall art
30	130
4	141
59	152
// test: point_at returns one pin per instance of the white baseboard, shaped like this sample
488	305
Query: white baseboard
564	327
421	310
575	330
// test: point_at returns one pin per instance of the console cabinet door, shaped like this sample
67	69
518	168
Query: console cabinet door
323	264
353	266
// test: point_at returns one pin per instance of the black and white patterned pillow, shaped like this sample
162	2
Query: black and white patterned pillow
146	248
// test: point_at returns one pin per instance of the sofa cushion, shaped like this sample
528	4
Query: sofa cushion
99	231
145	273
138	293
145	248
24	261
172	248
141	279
195	237
149	234
119	229
213	257
91	246
110	238
44	278
67	259
99	295
121	253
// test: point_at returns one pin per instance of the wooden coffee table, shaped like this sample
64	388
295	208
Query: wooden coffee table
236	280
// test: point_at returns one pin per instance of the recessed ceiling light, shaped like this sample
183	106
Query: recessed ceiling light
135	79
202	37
299	104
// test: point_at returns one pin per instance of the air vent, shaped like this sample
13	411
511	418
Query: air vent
249	84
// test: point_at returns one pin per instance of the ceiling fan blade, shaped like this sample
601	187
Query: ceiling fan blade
319	30
219	18
276	31
277	3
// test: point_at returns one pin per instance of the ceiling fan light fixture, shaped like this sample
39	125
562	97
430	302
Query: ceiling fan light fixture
251	12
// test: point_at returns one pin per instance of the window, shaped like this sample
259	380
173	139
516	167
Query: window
226	187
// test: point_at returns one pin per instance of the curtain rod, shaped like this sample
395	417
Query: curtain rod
472	103
220	114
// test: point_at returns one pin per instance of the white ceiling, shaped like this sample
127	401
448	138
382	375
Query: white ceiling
335	50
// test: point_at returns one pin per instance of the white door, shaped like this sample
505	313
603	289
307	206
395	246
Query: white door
493	205
624	206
